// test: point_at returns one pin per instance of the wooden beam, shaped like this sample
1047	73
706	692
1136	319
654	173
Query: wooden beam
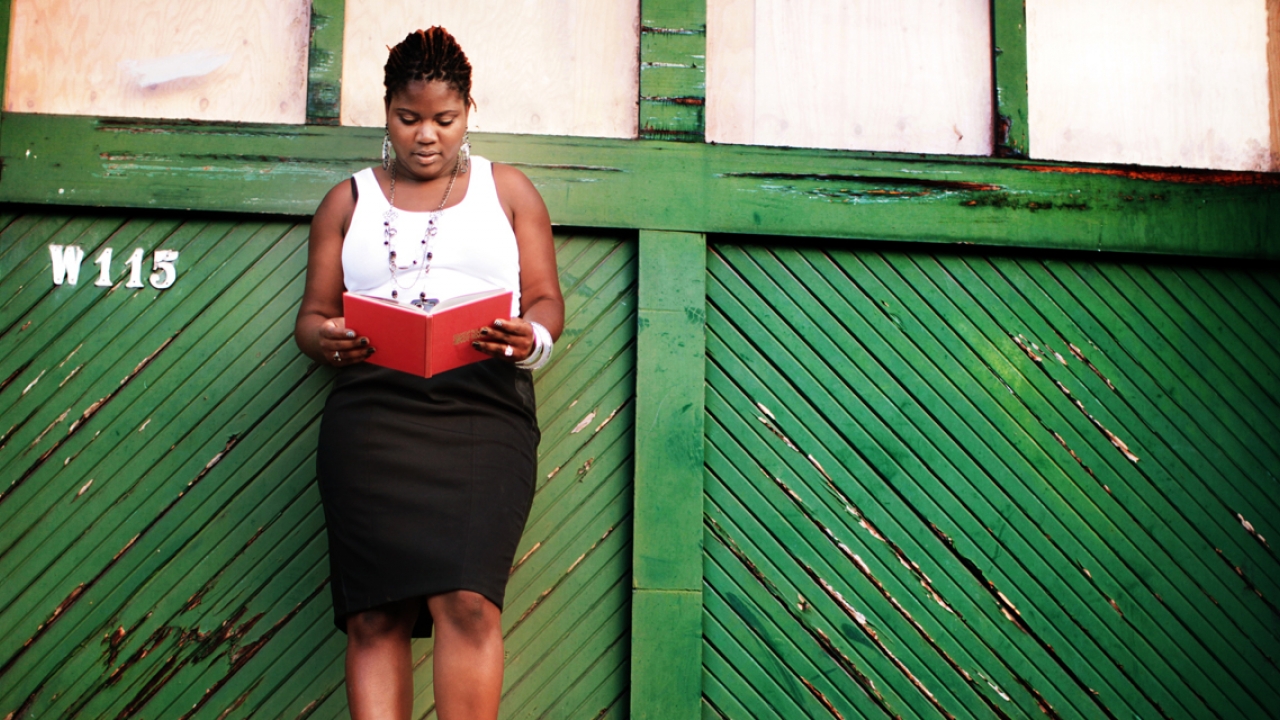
666	609
654	185
324	62
1009	68
673	70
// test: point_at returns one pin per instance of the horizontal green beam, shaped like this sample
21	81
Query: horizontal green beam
657	185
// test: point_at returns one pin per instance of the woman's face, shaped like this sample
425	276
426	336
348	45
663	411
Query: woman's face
426	122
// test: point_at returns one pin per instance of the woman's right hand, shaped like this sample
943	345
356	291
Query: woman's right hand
341	347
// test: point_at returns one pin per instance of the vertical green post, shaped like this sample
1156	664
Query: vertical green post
673	70
1009	72
6	21
666	607
324	62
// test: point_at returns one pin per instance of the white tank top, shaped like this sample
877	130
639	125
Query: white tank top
473	250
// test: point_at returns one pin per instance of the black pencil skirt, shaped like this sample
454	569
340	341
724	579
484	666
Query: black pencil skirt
426	483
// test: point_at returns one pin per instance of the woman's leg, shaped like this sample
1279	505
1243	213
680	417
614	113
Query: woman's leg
467	656
379	661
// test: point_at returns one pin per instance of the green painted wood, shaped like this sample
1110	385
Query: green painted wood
166	558
682	187
324	62
673	70
1009	59
916	472
667	571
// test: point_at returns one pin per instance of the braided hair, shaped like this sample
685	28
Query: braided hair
428	55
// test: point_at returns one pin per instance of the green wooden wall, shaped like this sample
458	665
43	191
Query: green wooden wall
161	540
914	436
976	485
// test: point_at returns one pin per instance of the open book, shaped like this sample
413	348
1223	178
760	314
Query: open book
425	340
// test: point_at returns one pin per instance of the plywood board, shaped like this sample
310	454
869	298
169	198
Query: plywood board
243	60
910	76
568	67
1179	83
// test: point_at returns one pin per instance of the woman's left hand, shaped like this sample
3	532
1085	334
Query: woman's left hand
507	339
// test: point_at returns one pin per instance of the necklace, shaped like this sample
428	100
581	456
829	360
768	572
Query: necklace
389	234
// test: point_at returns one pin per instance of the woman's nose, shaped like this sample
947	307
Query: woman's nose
426	133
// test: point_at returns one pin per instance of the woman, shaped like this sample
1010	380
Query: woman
427	483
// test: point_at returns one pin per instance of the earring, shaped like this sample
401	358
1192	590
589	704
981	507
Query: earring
386	151
464	153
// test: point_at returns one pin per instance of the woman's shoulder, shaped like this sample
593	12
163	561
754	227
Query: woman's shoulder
513	185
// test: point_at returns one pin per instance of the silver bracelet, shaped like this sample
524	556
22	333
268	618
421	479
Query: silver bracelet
542	346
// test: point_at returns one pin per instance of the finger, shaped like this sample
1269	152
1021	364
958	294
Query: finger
508	333
334	332
344	344
499	349
349	357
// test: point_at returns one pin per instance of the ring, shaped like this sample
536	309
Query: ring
337	357
508	352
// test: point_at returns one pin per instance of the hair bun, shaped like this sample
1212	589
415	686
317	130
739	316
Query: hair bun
429	55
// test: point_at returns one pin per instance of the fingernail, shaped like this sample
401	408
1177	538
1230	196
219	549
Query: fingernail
497	323
484	331
364	341
351	333
475	345
373	350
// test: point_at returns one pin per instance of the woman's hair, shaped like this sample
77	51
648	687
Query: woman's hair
429	55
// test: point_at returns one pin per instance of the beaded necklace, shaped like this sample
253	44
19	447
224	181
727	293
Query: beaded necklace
389	234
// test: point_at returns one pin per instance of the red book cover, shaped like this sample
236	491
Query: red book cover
425	342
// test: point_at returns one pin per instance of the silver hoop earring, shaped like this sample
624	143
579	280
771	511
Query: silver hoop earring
386	150
464	153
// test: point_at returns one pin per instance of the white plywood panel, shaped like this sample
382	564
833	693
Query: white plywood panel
906	76
242	60
1179	83
548	67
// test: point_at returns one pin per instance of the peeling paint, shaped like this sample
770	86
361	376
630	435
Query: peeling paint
1076	351
817	694
70	375
524	557
778	433
82	489
546	593
582	424
823	640
32	384
608	419
874	637
1248	527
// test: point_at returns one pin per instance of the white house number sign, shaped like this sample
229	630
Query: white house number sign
67	259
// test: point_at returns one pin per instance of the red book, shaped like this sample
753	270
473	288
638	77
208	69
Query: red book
425	342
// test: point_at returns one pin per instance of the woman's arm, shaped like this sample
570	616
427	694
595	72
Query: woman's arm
319	330
540	298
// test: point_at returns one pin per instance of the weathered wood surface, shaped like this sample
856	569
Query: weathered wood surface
563	68
686	187
974	486
673	70
161	538
324	62
1173	83
242	60
906	76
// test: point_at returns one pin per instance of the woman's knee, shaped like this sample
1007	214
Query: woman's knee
465	611
381	623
